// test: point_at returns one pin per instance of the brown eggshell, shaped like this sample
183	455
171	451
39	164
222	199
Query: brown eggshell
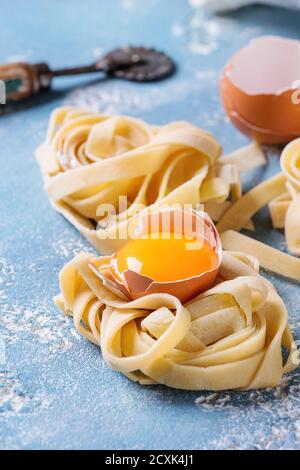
189	222
257	86
135	285
184	290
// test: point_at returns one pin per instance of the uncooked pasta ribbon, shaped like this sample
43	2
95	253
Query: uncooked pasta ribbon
282	193
285	210
89	160
230	337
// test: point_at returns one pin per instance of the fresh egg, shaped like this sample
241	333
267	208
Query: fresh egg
166	260
181	257
259	89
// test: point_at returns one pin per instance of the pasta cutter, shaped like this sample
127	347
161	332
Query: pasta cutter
23	80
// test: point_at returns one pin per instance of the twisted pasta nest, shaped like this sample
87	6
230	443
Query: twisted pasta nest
230	337
282	193
285	209
90	160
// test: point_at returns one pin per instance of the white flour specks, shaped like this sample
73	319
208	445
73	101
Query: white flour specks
121	98
249	407
99	98
297	431
202	37
97	52
212	119
177	30
209	75
13	398
7	276
68	248
204	32
7	273
128	4
50	328
214	400
32	319
24	57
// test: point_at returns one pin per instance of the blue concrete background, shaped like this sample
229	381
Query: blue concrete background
55	390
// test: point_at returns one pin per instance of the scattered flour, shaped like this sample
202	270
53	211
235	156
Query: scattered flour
35	318
210	75
203	31
248	408
177	30
97	52
7	273
297	431
46	327
120	97
14	400
99	98
128	4
24	324
68	248
203	35
25	57
50	328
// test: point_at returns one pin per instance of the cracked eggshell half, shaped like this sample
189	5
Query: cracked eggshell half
260	89
197	226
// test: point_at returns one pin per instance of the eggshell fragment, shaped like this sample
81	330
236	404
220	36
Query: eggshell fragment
259	89
134	285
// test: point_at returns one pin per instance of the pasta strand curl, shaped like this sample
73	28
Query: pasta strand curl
230	337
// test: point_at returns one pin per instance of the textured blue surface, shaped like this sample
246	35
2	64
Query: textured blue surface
55	390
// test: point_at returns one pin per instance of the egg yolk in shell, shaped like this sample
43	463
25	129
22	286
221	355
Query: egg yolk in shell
166	259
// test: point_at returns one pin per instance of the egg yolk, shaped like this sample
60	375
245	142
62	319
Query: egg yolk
165	260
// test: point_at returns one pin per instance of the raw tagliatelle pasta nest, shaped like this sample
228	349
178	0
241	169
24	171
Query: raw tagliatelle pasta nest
89	160
233	335
282	193
230	337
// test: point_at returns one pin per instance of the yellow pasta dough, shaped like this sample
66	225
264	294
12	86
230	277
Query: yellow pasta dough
282	193
230	337
89	160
